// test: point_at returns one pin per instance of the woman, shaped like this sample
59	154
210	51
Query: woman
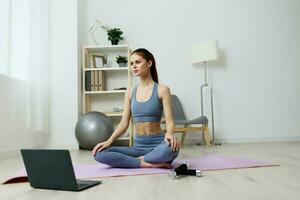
146	102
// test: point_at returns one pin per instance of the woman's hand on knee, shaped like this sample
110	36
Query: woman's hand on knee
101	146
173	142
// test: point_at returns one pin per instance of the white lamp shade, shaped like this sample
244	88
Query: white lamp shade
204	51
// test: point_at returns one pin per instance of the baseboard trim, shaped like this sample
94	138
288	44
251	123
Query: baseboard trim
9	153
61	146
259	139
231	140
188	141
14	152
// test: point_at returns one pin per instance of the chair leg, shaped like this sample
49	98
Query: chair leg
207	137
182	138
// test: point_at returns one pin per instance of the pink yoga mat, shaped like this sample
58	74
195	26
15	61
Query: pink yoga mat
209	162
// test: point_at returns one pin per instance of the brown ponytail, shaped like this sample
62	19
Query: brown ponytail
148	56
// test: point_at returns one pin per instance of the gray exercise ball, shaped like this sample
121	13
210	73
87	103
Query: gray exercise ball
92	128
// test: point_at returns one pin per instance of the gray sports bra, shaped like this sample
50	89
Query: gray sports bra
148	111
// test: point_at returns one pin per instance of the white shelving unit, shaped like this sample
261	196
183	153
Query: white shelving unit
109	95
108	69
105	92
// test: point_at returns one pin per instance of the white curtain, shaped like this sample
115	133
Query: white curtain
24	80
4	36
38	68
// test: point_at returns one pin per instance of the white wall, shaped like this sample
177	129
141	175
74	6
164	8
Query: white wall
64	74
257	79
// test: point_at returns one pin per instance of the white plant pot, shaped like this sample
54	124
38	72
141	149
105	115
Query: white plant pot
122	64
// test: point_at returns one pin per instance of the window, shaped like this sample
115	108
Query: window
14	38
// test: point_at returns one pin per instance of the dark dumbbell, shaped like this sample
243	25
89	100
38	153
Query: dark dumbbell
183	170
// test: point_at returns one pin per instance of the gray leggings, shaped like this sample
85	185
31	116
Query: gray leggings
152	147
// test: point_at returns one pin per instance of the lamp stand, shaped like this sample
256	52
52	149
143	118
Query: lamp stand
211	104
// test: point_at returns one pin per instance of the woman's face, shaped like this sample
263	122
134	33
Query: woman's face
139	65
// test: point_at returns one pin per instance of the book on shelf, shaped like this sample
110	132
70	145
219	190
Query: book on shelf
88	81
101	81
92	81
96	80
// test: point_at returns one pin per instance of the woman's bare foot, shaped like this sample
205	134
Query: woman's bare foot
145	164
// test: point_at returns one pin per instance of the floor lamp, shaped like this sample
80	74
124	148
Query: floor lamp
202	53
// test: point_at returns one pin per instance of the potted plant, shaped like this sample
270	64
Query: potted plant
122	61
114	35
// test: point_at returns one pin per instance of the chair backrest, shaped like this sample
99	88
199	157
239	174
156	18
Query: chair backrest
177	109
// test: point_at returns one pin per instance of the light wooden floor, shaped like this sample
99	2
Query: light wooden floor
269	183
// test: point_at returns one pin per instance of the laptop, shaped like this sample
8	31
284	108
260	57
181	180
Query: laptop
52	169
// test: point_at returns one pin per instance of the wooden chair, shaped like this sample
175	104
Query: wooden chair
182	125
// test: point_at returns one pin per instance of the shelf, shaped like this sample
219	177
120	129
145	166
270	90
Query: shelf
106	48
107	69
123	138
123	141
114	114
106	92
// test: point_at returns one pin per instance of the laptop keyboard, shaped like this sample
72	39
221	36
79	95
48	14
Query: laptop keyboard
86	183
81	184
